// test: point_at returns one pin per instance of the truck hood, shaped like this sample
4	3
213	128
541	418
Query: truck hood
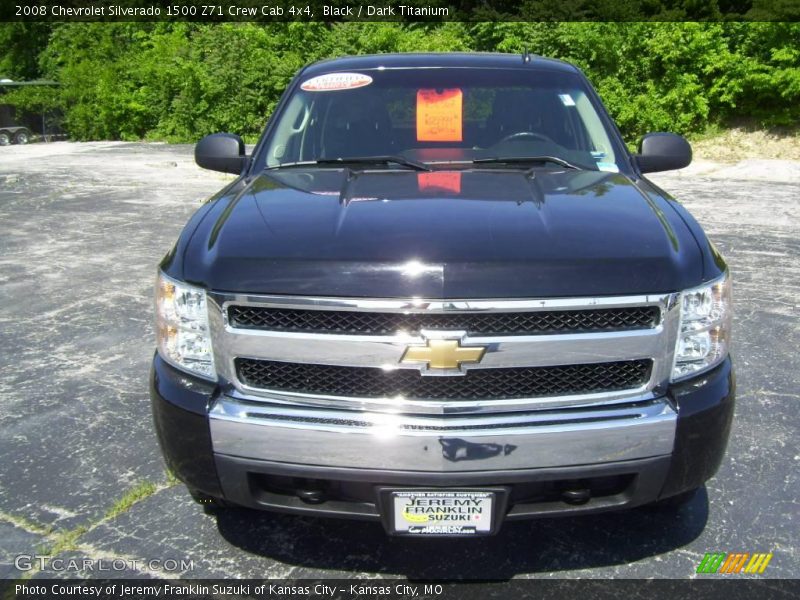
446	234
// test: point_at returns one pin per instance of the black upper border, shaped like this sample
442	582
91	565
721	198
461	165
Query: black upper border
435	10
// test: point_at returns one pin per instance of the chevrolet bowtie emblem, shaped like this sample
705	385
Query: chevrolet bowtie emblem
443	354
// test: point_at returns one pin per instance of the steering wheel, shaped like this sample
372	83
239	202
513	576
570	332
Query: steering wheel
521	135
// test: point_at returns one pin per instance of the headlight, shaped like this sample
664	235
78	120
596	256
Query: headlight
182	327
705	332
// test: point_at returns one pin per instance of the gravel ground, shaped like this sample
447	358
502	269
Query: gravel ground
82	227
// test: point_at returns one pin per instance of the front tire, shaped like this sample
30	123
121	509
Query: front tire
5	138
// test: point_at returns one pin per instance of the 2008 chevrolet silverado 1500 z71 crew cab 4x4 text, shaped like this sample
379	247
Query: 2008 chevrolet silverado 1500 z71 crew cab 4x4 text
440	294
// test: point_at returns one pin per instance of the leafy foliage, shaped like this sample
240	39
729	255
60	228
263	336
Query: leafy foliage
179	81
20	44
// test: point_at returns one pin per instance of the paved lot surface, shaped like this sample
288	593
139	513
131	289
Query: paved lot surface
82	227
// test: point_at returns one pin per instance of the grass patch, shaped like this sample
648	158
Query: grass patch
139	492
172	479
66	540
26	524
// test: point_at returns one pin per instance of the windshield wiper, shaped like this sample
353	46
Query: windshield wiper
364	160
529	159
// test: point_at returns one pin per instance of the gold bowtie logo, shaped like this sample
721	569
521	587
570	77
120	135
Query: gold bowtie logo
443	354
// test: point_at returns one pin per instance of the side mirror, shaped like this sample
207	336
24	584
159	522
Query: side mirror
663	152
221	152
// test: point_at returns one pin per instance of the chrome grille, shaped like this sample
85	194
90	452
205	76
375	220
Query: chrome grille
347	353
388	323
476	384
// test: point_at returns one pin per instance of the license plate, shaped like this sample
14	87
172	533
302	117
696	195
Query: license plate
442	512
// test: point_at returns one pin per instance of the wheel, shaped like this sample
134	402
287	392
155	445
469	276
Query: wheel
5	138
675	502
23	136
209	503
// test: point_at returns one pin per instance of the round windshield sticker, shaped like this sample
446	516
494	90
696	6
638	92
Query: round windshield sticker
336	81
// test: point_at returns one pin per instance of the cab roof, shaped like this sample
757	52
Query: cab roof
478	60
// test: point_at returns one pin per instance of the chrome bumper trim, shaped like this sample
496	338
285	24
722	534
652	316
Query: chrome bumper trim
442	407
442	444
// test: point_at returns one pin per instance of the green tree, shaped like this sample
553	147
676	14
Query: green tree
179	81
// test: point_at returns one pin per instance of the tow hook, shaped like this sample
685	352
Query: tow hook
576	496
311	496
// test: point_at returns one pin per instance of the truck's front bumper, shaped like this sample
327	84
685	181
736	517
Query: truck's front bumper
267	456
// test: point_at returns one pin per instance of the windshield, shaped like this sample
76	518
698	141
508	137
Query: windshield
442	116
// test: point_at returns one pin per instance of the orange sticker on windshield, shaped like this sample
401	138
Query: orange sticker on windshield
439	115
440	181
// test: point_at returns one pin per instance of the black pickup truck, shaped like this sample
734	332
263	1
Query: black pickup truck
441	294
